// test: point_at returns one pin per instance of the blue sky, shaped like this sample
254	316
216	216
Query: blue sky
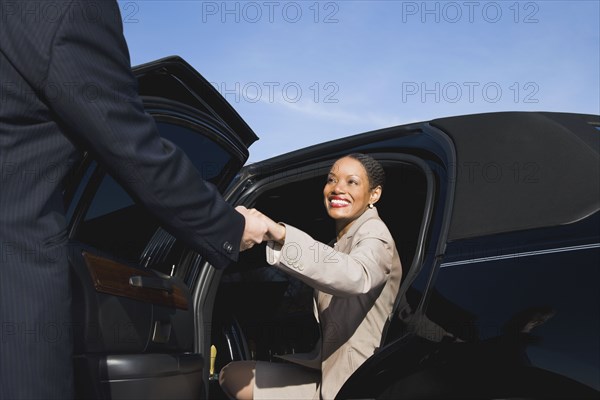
304	72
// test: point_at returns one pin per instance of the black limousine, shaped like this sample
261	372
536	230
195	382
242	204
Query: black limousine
495	216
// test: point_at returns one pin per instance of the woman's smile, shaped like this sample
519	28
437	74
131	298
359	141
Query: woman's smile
338	201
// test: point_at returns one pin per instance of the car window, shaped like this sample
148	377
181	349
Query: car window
210	158
115	224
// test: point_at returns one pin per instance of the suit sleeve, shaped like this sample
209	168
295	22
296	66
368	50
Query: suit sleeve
365	268
100	109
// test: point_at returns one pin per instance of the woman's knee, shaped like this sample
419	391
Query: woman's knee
237	379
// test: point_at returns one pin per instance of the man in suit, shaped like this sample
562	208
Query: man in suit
49	53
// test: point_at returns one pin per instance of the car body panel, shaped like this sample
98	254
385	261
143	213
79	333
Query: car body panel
540	286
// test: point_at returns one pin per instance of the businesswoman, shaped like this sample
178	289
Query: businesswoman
356	280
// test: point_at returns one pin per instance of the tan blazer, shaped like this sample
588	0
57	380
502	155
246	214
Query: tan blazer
356	282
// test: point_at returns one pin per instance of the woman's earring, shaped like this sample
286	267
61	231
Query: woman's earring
370	205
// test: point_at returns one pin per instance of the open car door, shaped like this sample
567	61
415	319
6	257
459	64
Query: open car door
132	309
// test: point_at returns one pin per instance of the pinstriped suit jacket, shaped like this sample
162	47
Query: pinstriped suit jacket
52	56
356	282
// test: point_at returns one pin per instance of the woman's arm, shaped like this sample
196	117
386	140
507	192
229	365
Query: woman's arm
367	266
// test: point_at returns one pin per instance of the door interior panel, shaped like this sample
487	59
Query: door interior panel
125	312
107	323
117	315
139	376
133	331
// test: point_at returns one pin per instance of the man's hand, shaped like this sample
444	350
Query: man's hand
255	229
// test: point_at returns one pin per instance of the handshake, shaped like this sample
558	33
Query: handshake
259	228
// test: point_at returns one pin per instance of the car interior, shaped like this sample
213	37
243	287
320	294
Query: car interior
261	312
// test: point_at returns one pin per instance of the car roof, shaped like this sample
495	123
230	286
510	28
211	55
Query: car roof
522	170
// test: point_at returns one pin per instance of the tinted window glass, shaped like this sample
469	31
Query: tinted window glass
109	198
208	157
79	189
115	224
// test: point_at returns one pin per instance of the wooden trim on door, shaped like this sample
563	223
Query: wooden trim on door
112	278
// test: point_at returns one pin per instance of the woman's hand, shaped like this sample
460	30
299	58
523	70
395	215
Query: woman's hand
275	231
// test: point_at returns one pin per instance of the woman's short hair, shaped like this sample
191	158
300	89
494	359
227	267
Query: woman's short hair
373	167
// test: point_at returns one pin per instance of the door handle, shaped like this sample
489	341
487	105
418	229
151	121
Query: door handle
150	282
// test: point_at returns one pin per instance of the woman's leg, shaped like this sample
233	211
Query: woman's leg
237	379
246	380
